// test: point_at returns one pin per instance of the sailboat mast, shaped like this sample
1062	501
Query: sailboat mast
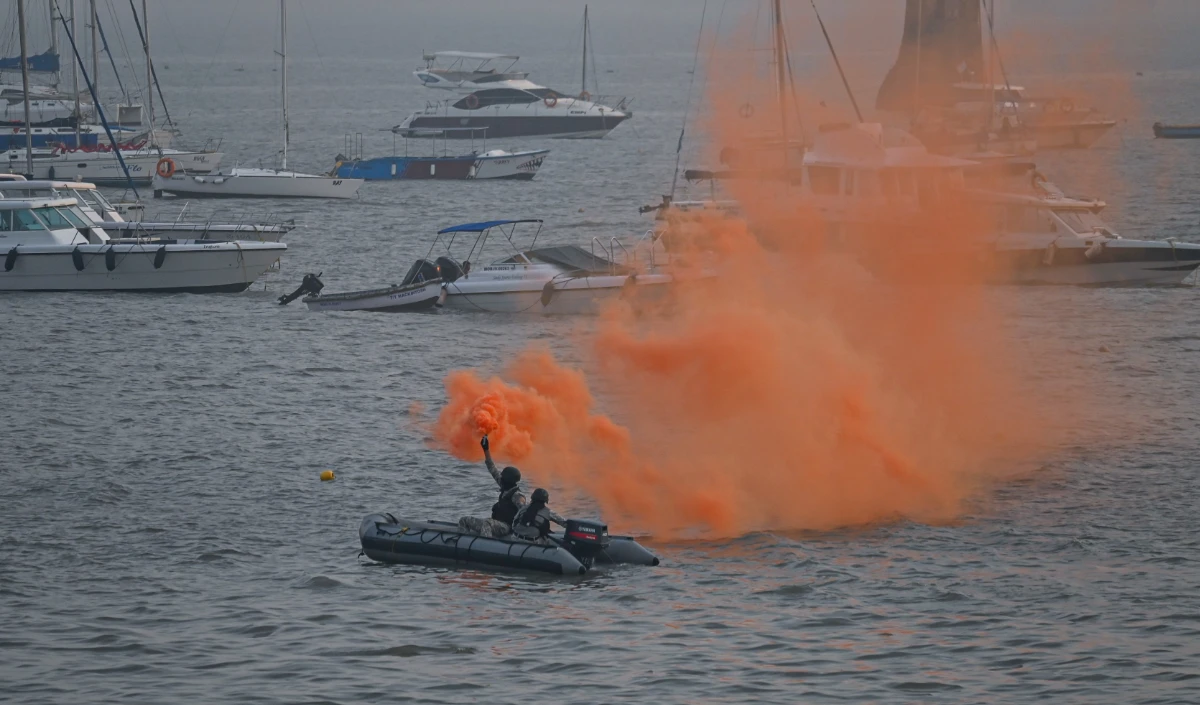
780	68
583	80
95	52
283	73
149	70
54	41
25	88
75	77
991	54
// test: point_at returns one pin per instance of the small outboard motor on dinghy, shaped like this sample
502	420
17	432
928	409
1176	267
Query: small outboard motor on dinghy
449	269
585	539
311	285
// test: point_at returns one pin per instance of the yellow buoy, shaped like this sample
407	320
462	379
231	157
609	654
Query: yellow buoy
327	475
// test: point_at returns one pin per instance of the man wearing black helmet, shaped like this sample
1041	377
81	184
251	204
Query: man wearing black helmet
533	520
504	511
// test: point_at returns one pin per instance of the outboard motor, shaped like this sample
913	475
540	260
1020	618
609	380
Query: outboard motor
585	539
312	284
422	271
449	269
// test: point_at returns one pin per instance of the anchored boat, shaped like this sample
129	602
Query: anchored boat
1176	132
474	165
581	546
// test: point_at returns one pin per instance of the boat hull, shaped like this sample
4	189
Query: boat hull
389	539
197	267
574	296
1176	132
1070	135
517	166
1117	263
103	167
396	299
243	186
502	126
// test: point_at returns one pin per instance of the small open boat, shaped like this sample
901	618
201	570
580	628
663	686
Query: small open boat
1176	132
420	289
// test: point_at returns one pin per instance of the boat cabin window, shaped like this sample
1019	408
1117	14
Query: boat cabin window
77	217
495	96
545	93
19	221
1082	222
1025	219
825	180
91	199
53	218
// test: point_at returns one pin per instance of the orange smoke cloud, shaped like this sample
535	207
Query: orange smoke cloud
825	377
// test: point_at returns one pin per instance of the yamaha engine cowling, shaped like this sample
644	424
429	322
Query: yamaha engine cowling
585	539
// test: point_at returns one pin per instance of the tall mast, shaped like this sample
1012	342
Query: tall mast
991	51
583	81
54	41
780	81
25	88
149	71
75	77
283	73
95	52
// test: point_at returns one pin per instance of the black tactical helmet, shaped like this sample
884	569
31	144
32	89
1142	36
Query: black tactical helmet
510	476
541	495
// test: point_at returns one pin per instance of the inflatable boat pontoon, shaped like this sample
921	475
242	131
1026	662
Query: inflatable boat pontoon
389	539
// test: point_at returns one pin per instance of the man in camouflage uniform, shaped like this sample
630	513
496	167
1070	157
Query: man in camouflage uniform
506	507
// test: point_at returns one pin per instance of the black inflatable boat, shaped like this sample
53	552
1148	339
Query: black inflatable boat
582	544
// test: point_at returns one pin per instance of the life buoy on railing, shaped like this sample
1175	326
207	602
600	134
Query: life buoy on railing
550	101
165	167
1066	106
472	101
746	110
584	95
16	130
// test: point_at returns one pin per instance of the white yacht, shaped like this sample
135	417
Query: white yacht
52	245
465	70
855	176
101	166
111	218
516	108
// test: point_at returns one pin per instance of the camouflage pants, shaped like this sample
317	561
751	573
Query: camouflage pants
484	527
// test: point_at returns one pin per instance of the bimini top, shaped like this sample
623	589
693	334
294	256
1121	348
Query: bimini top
485	225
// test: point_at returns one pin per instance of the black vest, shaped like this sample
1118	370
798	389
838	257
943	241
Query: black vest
539	526
505	509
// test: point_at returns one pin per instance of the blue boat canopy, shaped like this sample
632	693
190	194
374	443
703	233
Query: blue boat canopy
485	225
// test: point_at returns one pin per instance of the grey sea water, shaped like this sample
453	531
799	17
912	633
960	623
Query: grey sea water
164	536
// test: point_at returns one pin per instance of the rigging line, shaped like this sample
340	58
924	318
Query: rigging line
313	37
829	42
96	101
128	58
996	49
153	72
792	85
111	60
687	104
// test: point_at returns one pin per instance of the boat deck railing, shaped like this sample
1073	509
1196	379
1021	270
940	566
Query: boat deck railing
629	258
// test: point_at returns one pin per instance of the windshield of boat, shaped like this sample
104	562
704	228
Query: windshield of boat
53	218
1082	222
495	96
76	216
19	220
92	199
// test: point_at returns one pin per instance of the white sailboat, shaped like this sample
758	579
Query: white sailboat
241	182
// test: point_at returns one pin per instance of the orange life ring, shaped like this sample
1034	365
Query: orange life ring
1066	106
584	95
550	101
472	101
16	130
165	167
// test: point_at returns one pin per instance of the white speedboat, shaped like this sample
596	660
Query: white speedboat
561	279
241	182
110	217
465	70
51	245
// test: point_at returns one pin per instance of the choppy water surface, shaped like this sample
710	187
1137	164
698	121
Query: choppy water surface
164	538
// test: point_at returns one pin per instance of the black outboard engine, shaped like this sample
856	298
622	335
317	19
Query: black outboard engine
312	284
422	271
449	269
585	539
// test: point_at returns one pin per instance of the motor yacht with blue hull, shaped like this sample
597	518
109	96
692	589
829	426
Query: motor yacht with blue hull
581	546
52	245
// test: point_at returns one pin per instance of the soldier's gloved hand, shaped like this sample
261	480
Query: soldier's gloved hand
483	442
